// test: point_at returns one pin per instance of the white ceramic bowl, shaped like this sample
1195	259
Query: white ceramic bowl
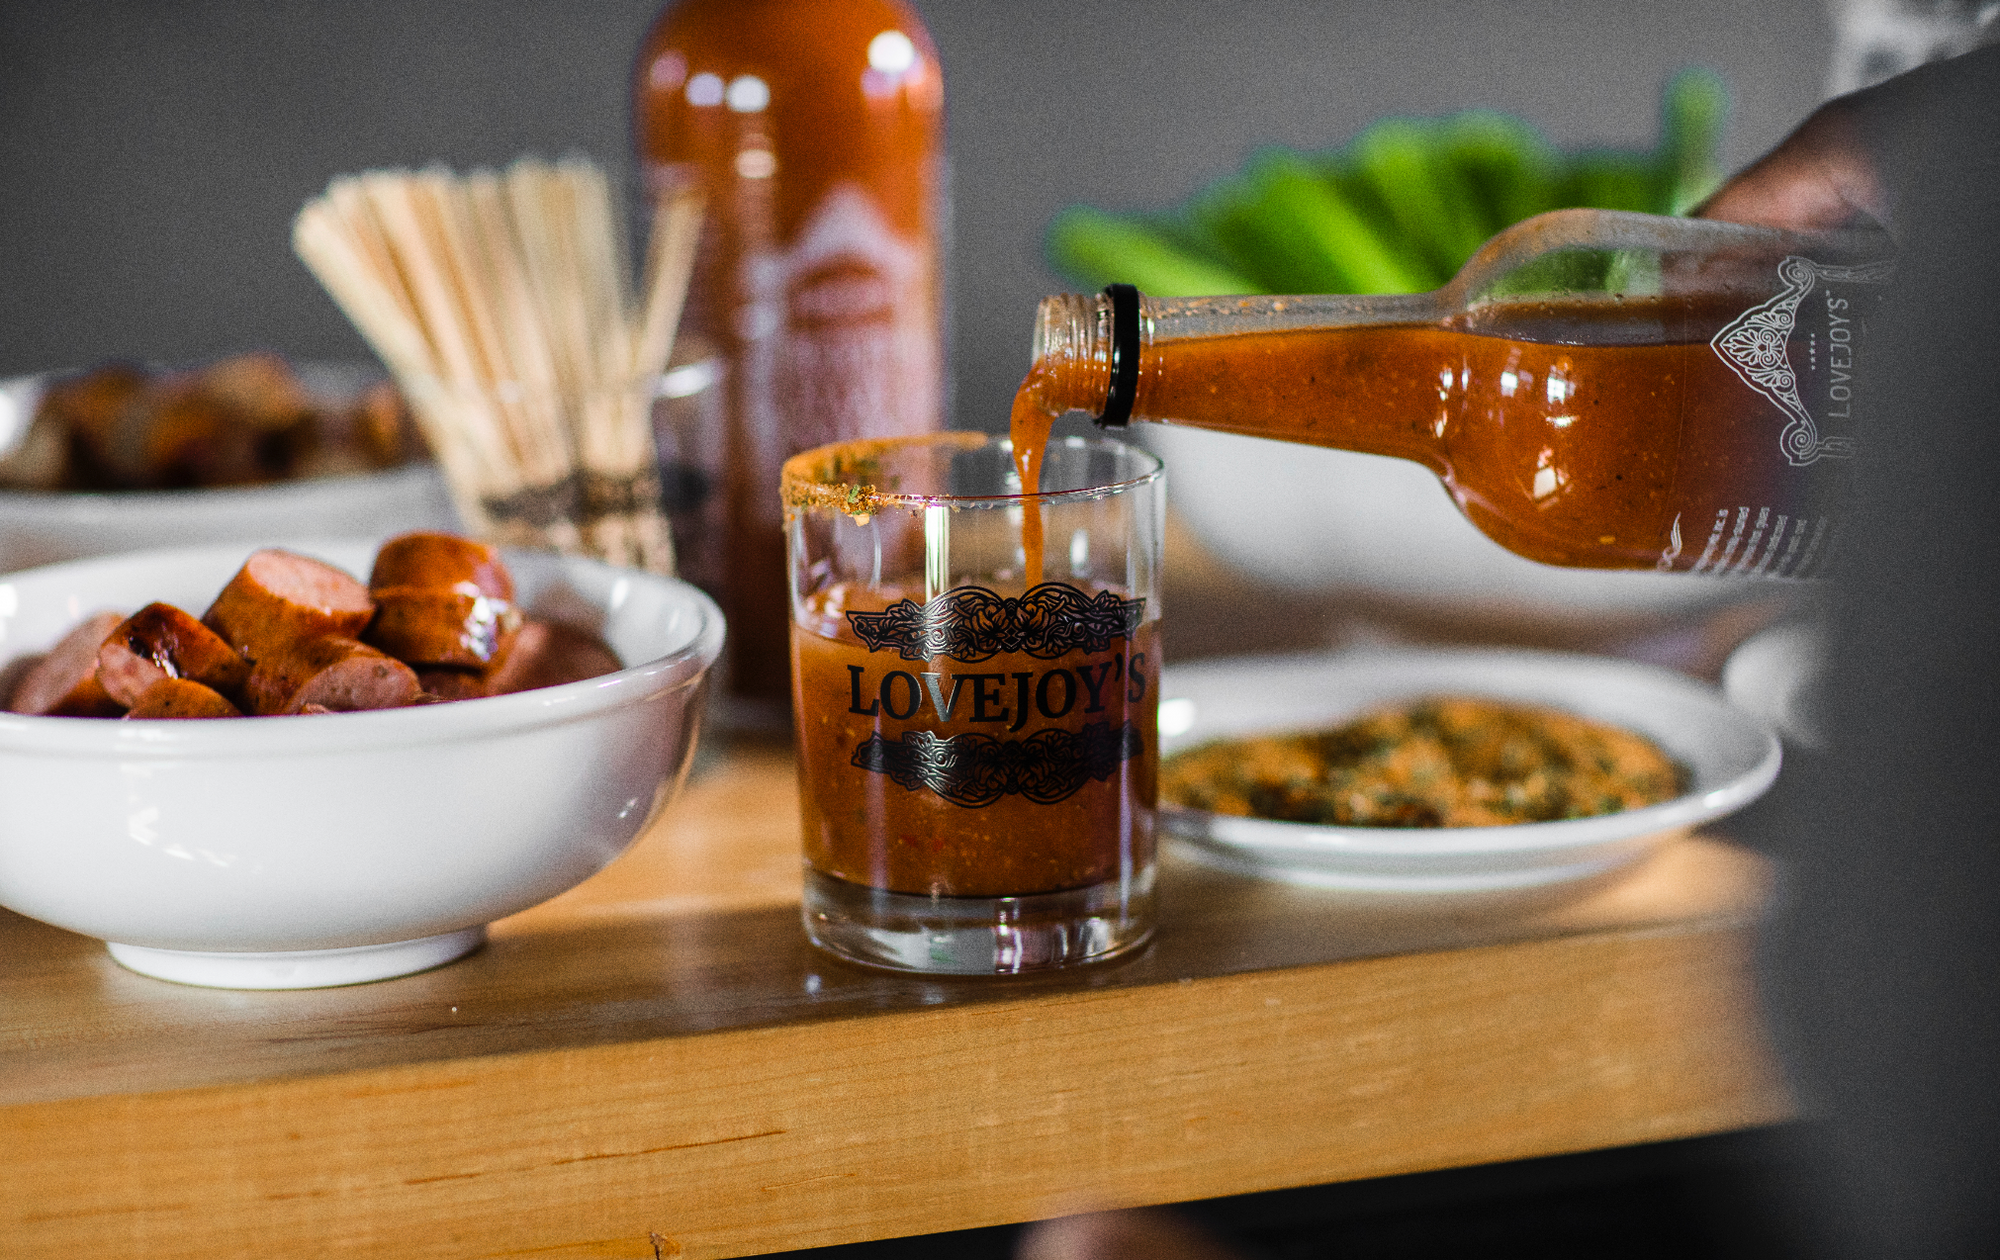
1731	758
1308	519
45	527
297	852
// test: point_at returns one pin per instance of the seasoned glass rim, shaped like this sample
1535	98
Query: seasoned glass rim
803	490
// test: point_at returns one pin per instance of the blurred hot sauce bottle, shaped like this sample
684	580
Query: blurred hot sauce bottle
815	128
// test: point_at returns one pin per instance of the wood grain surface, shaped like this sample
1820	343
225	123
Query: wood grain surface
658	1062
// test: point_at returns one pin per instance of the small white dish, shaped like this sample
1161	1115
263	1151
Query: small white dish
298	852
1775	674
1731	758
48	527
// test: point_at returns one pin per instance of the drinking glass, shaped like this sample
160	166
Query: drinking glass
976	688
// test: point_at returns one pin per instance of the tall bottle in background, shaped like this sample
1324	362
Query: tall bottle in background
815	128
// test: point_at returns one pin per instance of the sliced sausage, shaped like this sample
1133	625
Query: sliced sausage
382	427
182	698
338	673
261	388
548	654
64	683
452	684
278	598
440	562
162	641
91	409
442	626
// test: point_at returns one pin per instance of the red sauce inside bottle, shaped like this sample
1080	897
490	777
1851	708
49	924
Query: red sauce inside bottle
1597	435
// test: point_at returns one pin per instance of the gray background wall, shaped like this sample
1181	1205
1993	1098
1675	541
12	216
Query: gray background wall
152	153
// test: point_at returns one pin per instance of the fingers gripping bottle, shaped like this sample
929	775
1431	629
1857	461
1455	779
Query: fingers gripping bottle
815	130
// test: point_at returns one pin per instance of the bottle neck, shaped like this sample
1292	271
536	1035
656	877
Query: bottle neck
1221	363
1072	353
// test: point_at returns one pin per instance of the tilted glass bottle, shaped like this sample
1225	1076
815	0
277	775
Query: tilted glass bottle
815	130
1595	388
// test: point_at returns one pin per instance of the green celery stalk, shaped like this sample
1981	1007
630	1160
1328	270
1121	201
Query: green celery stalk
1614	179
1400	208
1512	170
1358	193
1093	249
1229	225
1427	200
1335	244
1693	110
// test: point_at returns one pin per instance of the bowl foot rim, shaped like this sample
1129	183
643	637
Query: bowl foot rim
298	968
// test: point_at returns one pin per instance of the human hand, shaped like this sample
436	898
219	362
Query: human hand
1820	178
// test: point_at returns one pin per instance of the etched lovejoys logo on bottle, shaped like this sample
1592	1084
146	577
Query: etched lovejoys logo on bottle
1085	666
1796	352
1797	349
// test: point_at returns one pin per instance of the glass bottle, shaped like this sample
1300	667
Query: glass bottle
815	130
1595	388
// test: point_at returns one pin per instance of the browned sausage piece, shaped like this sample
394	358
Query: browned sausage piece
161	641
64	683
440	562
442	626
441	685
338	673
548	654
91	410
278	598
181	698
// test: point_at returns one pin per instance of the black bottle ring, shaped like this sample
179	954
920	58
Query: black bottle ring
1124	356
